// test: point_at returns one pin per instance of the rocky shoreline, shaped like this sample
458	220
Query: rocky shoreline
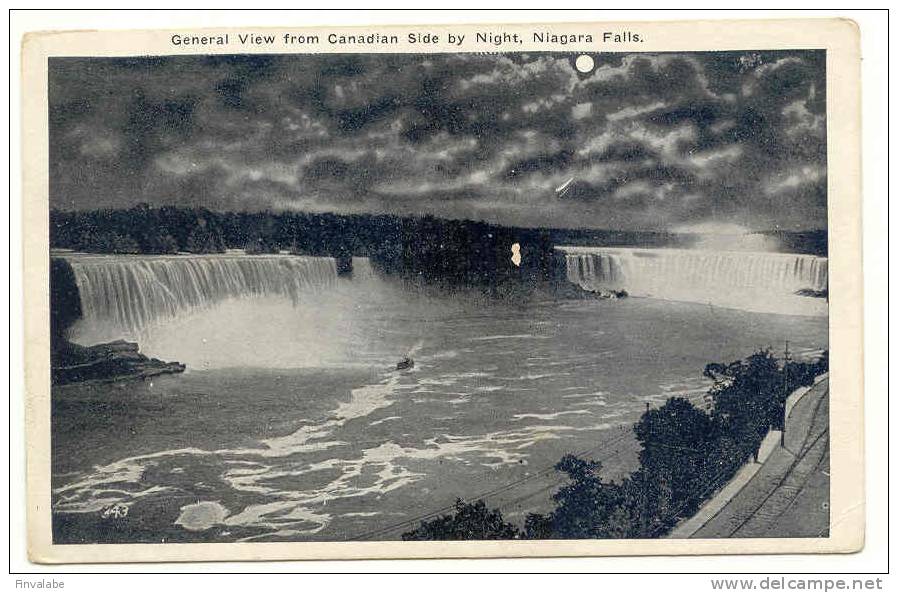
569	290
102	363
810	292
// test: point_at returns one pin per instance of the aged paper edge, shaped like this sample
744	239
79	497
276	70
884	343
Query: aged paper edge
839	37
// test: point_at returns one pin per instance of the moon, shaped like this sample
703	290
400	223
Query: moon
584	63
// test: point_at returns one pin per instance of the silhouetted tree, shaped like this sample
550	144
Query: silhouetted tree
587	506
470	521
676	440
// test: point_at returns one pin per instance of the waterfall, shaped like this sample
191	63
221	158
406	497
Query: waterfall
695	275
133	292
361	269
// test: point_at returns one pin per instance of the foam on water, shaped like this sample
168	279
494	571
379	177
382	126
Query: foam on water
201	515
287	511
366	400
550	416
508	337
98	489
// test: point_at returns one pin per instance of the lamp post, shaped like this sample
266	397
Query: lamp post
786	373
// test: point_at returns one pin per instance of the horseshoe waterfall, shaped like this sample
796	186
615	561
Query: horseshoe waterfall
743	280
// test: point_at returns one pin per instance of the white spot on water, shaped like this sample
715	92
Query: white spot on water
201	516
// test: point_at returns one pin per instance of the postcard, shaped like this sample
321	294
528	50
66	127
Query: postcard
443	291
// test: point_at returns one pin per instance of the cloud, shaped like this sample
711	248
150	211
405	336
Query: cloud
795	178
650	140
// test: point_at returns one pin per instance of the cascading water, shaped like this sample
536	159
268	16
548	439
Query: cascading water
133	292
361	269
750	280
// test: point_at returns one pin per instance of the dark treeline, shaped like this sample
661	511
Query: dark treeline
172	229
686	455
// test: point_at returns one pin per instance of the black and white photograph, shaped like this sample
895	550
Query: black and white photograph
534	285
439	297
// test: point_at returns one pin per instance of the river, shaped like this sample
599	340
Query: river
291	422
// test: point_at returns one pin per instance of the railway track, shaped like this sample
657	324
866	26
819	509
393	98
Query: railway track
789	496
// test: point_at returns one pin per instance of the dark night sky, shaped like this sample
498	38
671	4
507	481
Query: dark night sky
651	140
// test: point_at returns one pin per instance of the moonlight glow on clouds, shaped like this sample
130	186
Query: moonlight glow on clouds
650	141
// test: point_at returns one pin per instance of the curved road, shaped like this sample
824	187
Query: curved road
789	495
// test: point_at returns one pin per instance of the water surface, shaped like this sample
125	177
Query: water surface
292	424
